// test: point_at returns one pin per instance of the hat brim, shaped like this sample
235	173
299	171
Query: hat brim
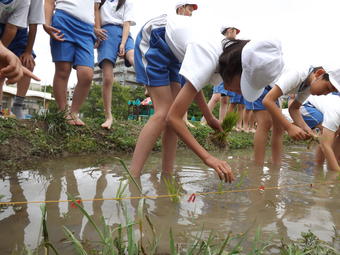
249	92
334	83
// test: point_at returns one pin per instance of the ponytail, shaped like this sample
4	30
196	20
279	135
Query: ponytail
120	4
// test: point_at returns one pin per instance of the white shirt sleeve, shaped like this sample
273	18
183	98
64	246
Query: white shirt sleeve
20	14
36	12
129	13
289	82
199	65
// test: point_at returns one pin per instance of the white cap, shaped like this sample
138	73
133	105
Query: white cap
223	28
334	77
262	64
185	2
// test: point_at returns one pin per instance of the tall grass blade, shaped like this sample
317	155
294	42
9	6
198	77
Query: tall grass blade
77	245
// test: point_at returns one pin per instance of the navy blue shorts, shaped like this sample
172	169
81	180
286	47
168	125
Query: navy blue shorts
19	43
311	115
109	48
78	47
257	104
155	64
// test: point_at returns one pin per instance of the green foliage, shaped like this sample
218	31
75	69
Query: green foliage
173	187
93	106
229	122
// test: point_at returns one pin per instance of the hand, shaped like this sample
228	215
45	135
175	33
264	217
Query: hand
221	167
100	33
55	33
97	43
297	133
11	68
121	50
215	124
27	60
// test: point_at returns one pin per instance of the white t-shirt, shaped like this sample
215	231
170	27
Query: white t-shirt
329	105
36	12
290	82
109	15
80	9
197	47
15	13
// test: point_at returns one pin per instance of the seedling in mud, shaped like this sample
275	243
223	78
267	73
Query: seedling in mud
174	189
229	122
310	141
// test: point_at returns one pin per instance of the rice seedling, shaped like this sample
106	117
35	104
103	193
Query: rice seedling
311	141
173	188
230	121
121	189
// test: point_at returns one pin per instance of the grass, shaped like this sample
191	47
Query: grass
173	187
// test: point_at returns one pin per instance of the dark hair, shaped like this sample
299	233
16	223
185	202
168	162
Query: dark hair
120	4
325	76
230	64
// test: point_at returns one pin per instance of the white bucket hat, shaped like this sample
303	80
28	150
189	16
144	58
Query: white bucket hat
185	2
223	28
262	65
334	76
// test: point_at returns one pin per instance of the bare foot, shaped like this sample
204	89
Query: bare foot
74	120
107	124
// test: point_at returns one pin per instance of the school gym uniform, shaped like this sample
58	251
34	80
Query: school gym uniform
257	105
170	46
35	16
75	19
112	21
323	109
14	12
219	89
292	82
236	98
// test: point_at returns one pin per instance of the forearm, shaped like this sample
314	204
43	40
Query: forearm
9	34
49	8
126	31
97	22
202	104
276	113
295	114
175	119
31	38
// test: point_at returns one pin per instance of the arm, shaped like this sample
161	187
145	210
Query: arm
175	119
100	33
276	113
294	111
209	117
326	142
125	35
55	33
9	34
26	58
11	68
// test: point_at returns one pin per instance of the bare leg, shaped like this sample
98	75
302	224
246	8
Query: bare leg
223	107
169	139
152	129
130	57
319	156
264	123
1	85
84	75
277	143
240	108
60	80
107	92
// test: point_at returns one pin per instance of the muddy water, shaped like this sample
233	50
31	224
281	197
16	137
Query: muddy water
281	213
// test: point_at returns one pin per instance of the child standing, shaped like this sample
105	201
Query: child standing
71	28
22	46
112	27
13	16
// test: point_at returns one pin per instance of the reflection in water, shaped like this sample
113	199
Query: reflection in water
285	212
